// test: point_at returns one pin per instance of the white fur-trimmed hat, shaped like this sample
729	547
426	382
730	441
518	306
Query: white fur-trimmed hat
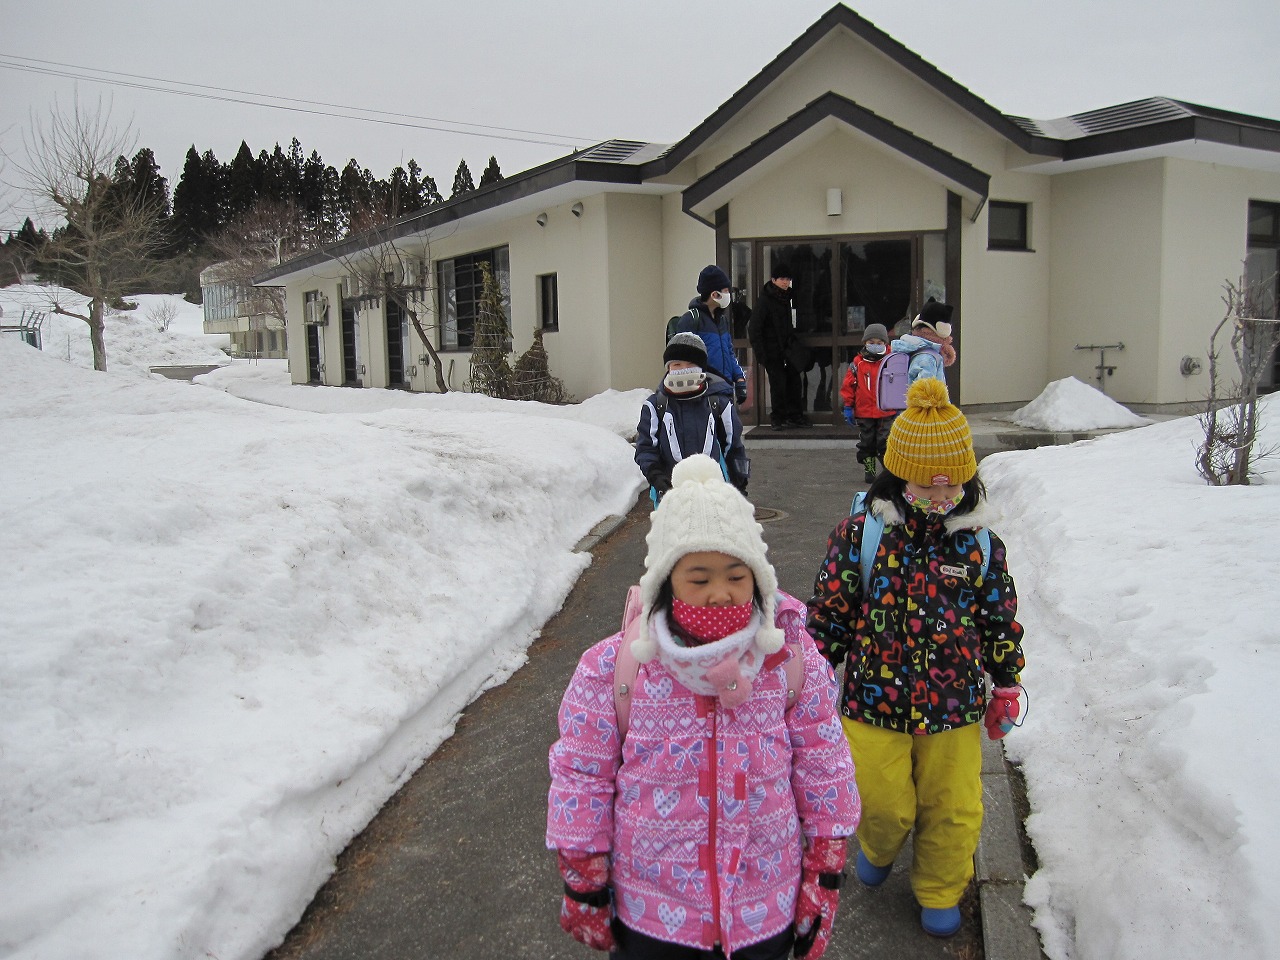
702	511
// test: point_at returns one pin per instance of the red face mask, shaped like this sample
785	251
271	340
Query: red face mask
711	623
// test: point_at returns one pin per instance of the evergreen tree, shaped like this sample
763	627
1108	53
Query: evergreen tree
462	182
243	180
491	173
148	185
414	201
284	177
197	200
430	192
355	196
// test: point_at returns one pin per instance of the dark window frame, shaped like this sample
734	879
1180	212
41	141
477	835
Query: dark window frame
549	302
459	289
1021	240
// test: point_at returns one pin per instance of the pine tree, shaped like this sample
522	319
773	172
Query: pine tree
490	368
462	182
491	173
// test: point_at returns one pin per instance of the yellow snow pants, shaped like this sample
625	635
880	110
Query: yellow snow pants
931	783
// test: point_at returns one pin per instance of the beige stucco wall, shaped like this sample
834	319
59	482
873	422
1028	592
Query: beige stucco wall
1204	238
1141	254
1004	300
687	247
636	319
1105	281
880	194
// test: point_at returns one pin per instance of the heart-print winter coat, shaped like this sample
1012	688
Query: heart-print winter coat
702	809
918	643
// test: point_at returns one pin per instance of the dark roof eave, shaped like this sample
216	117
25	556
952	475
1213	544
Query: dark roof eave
858	117
1184	129
539	179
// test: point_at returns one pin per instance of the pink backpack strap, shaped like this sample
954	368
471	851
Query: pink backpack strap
626	667
794	667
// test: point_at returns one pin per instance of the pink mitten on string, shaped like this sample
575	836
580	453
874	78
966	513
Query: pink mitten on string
1002	711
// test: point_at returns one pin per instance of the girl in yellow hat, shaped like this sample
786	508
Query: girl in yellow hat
936	613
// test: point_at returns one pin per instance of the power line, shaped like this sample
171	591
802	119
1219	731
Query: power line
537	137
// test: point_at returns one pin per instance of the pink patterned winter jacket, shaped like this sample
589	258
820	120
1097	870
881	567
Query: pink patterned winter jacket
703	808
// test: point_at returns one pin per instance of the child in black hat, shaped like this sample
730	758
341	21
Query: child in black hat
691	412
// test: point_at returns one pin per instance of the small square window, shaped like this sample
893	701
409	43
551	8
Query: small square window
1007	225
548	302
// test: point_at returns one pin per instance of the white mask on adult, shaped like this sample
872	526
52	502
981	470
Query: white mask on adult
721	298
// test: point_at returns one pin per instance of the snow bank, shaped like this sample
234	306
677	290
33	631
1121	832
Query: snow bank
230	631
1070	405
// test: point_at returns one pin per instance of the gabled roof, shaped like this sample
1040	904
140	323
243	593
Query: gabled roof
841	17
961	176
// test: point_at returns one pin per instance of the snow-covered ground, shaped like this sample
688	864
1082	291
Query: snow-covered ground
230	629
134	341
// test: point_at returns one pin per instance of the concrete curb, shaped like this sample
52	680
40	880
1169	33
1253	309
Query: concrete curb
599	533
1007	933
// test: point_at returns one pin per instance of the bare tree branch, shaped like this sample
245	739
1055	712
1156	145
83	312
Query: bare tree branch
107	245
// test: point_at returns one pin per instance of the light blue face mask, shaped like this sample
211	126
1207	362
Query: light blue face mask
876	348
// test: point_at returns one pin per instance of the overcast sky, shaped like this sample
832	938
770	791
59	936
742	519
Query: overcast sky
569	73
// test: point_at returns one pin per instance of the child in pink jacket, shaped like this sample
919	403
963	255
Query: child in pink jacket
720	820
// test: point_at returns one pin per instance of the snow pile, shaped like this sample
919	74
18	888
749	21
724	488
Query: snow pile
134	341
1151	643
1070	405
230	631
267	381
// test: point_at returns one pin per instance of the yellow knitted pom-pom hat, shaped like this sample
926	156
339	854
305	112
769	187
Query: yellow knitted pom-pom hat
929	442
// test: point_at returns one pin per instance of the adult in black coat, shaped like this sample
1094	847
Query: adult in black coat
777	346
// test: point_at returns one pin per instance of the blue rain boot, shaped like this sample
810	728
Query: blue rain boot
869	873
940	921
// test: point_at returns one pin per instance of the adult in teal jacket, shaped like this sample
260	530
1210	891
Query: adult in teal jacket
708	317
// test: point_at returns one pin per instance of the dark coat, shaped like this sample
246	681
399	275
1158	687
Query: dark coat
687	428
770	330
918	645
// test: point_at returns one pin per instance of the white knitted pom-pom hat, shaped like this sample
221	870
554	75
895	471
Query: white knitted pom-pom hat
703	511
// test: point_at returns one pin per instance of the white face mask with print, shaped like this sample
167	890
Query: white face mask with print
684	380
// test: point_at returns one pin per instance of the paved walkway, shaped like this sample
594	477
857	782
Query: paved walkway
454	865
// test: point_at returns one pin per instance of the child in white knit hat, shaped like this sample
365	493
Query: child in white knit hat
717	816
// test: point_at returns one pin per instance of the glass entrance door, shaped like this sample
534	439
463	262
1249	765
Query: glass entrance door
842	284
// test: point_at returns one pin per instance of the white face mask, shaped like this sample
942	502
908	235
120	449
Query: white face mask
684	380
720	299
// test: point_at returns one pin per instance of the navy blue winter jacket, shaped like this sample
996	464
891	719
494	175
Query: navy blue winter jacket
718	337
687	427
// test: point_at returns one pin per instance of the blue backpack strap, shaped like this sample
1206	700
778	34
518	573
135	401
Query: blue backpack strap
984	543
872	531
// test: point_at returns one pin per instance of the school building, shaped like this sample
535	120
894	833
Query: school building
881	182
